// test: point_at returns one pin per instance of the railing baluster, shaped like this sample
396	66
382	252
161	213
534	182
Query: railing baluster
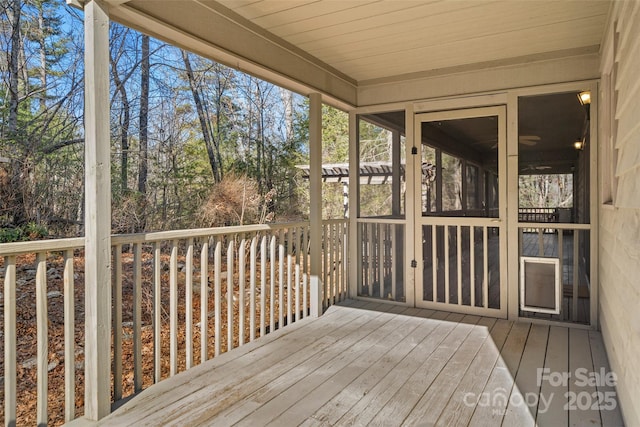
241	290
281	280
446	264
117	323
204	302
289	273
10	341
263	285
69	338
434	261
336	267
303	250
326	301
217	260
188	304
331	249
576	276
338	261
485	255
472	264
230	320
369	250
459	259
137	316
42	320
157	312
380	258
345	260
394	262
540	242
299	261
561	269
272	283
252	291
173	309
297	287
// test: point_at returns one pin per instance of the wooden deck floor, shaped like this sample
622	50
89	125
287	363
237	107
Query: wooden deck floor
376	364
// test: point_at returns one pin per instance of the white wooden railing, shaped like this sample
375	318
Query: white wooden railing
178	298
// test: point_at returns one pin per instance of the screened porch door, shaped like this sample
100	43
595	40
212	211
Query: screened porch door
460	215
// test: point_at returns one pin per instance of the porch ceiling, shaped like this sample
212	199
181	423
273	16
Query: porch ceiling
368	39
334	46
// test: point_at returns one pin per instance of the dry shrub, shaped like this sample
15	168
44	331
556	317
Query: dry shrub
126	214
235	201
6	191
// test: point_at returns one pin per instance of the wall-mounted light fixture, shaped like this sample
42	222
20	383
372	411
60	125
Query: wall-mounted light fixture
585	100
579	144
585	97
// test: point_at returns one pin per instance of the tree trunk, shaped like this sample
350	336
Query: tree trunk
144	129
124	125
287	100
13	13
17	185
206	135
43	58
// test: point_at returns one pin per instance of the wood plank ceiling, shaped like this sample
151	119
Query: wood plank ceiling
388	39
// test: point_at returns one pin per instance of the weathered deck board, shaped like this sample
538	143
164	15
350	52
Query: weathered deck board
368	405
376	364
362	386
581	412
501	379
358	354
458	412
611	416
557	360
523	412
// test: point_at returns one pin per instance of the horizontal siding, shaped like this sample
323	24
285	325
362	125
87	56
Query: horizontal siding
620	323
619	255
628	56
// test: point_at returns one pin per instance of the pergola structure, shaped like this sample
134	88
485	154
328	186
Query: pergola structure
419	66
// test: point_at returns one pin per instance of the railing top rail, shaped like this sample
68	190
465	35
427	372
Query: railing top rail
335	221
555	225
541	208
200	232
21	248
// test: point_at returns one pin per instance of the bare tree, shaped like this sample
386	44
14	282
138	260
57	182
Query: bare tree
213	149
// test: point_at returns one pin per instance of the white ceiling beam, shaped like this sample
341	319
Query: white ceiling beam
79	4
574	66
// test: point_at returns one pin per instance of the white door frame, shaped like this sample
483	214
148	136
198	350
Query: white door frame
500	222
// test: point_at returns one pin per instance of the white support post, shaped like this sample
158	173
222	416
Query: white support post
97	213
354	197
412	234
315	213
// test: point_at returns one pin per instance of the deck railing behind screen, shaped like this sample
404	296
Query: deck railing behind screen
178	298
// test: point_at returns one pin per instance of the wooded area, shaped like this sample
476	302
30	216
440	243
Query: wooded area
194	143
